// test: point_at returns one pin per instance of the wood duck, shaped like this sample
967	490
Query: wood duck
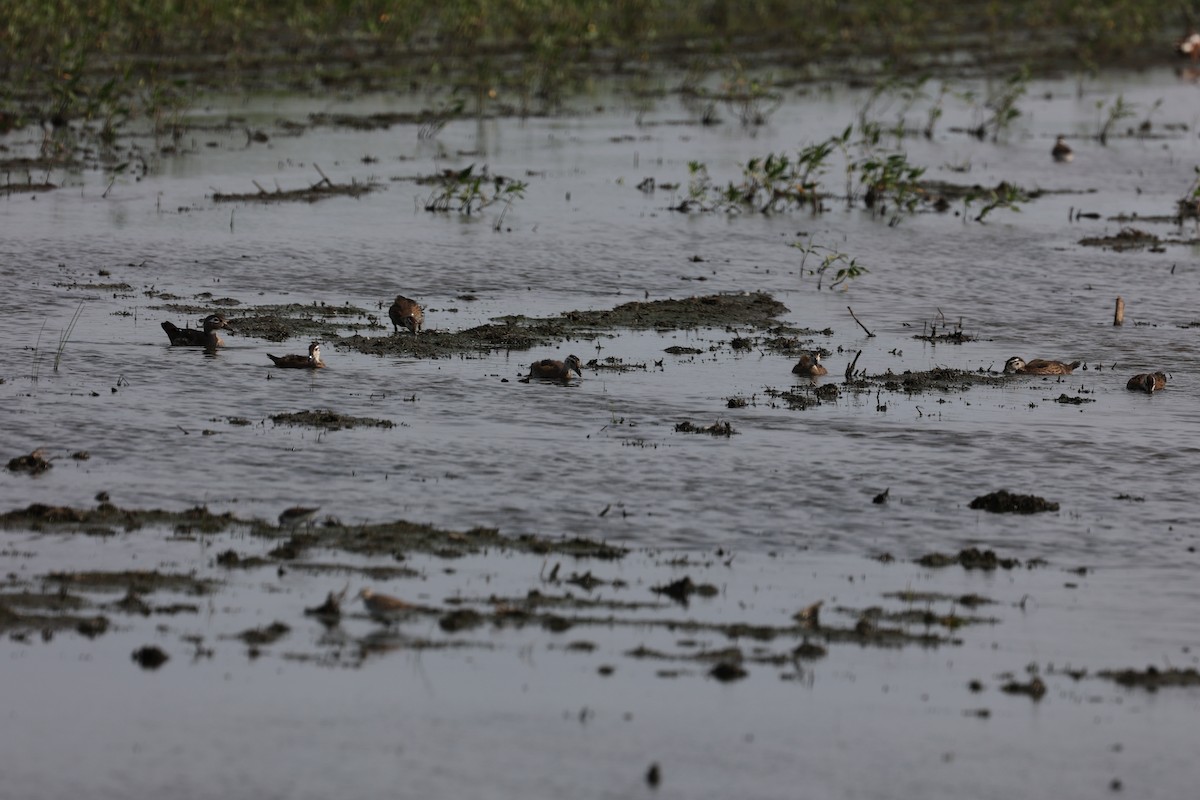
810	364
1149	382
407	313
1039	366
556	370
296	516
190	337
383	605
1062	151
310	361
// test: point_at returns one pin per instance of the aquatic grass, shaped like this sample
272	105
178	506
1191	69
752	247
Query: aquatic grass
468	192
1188	206
37	359
752	100
891	178
58	57
998	108
1004	196
1114	112
847	268
65	335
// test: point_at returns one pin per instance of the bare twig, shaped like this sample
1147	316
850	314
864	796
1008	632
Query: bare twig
864	327
850	368
317	167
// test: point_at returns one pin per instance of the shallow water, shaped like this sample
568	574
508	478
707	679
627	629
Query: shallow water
475	447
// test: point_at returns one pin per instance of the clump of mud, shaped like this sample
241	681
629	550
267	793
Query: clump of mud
1125	239
329	420
280	322
940	379
1152	678
1035	688
106	518
681	590
523	333
150	657
34	463
1004	502
971	558
716	429
268	634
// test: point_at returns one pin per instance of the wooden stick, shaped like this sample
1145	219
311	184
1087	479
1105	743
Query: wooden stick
850	369
323	175
864	327
1119	313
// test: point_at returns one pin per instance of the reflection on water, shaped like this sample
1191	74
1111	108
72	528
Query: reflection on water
473	446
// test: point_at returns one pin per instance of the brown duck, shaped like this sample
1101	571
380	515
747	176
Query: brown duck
556	370
810	364
297	515
1149	382
384	605
191	337
1062	151
310	361
406	312
1039	366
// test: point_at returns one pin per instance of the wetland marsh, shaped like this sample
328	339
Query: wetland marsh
823	593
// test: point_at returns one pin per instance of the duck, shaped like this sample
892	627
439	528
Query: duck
408	313
1189	46
310	361
190	337
383	605
1148	382
1038	366
1062	151
297	515
556	370
810	364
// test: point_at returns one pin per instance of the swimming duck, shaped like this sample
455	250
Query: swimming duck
190	337
310	361
1189	46
1062	151
556	370
1149	382
1039	366
297	515
383	605
810	364
407	313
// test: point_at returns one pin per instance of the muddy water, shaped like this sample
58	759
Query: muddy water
789	494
